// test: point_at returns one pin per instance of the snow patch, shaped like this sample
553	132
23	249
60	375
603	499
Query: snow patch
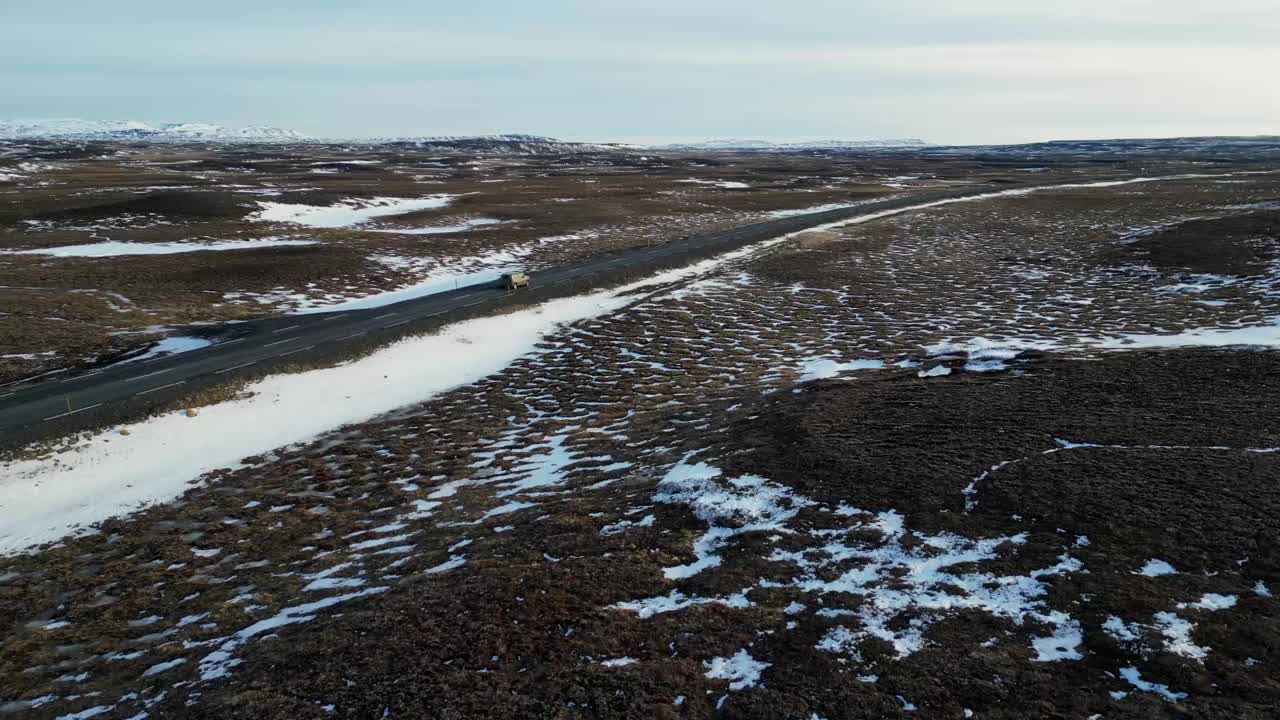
1156	568
1177	636
1063	644
935	371
741	670
902	580
725	184
676	600
821	368
440	229
1256	336
984	354
1134	678
114	248
1211	601
346	213
161	667
218	664
730	506
623	525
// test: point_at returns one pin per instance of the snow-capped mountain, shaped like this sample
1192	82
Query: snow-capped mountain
127	130
766	146
192	132
261	133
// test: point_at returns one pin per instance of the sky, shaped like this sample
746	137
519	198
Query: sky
945	71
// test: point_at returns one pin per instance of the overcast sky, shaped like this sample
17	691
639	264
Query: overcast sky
947	71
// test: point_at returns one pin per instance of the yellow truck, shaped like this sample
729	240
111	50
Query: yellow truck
515	281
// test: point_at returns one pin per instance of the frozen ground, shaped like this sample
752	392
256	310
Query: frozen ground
375	221
346	213
154	460
116	248
757	491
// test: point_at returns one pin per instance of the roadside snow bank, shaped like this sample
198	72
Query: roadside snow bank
818	208
474	270
110	473
170	346
347	212
433	283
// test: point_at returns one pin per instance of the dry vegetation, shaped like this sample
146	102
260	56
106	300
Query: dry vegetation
895	543
68	312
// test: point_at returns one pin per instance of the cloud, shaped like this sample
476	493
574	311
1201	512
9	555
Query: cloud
981	70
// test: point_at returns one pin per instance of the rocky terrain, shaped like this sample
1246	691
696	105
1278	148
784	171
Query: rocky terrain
105	248
1007	458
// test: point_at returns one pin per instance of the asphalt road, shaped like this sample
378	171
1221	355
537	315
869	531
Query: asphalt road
31	410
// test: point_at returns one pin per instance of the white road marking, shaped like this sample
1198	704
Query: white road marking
162	387
335	317
295	351
73	412
75	377
237	367
379	317
273	332
278	342
348	337
133	379
384	327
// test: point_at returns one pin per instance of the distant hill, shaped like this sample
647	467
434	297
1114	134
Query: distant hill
766	146
498	144
135	131
75	130
1208	148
